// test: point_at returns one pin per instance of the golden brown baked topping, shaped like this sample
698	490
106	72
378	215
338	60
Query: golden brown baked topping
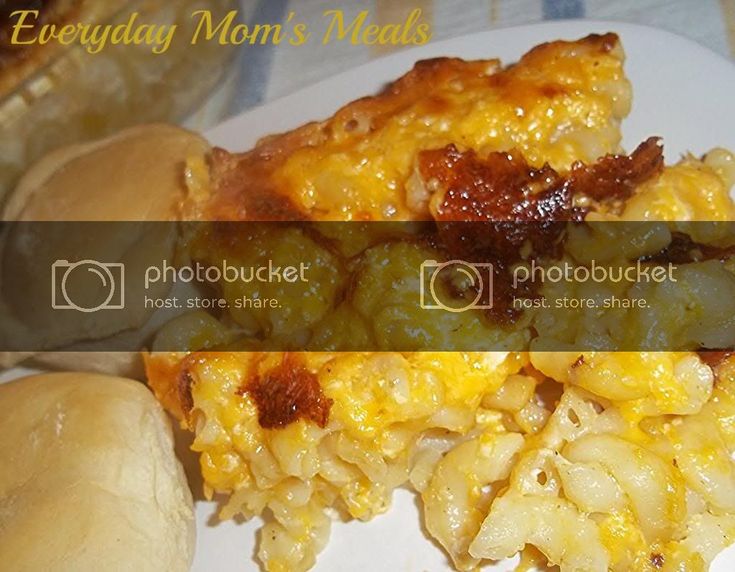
715	358
504	187
183	387
561	103
244	190
501	187
175	396
287	393
615	177
683	249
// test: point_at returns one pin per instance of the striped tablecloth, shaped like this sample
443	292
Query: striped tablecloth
266	72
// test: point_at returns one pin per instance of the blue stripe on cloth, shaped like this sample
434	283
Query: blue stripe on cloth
255	61
561	9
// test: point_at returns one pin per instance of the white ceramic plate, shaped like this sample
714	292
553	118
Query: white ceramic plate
683	92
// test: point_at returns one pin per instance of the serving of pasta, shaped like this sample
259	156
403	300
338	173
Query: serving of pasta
586	460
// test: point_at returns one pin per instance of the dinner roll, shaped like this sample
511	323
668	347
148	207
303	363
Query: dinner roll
137	174
89	480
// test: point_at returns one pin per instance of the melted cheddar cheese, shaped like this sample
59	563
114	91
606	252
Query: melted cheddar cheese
562	102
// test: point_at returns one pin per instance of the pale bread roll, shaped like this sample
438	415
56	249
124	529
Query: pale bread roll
90	481
134	175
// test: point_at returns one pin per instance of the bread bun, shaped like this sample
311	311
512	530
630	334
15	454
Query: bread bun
136	175
90	481
123	364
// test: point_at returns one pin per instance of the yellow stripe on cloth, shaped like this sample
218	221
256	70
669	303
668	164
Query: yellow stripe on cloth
728	13
494	11
393	12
